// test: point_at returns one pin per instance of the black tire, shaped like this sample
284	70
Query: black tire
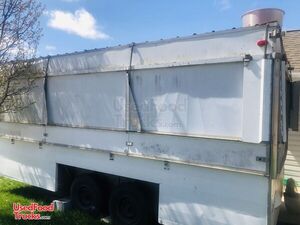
129	206
86	195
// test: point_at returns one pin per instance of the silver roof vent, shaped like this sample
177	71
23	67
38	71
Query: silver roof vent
262	16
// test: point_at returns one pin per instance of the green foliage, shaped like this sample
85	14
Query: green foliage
16	192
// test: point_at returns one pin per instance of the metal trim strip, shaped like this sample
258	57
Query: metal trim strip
129	154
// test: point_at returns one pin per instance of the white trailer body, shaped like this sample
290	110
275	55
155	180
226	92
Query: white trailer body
203	117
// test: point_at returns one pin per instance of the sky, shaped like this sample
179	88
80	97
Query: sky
77	25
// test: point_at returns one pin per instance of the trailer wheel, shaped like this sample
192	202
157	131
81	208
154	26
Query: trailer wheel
129	206
86	195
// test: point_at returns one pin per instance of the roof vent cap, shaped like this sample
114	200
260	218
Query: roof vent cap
262	16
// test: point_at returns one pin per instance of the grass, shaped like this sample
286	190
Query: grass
16	192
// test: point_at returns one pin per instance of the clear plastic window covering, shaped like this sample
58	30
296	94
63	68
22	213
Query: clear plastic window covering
34	112
34	101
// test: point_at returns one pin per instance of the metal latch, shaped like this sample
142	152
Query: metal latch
111	156
247	58
166	165
277	55
40	144
275	34
261	159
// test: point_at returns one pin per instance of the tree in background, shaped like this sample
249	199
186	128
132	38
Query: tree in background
20	33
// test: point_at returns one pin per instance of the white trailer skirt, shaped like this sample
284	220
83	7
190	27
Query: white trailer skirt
188	195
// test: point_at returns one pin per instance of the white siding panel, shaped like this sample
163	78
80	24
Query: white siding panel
94	100
112	59
196	100
195	49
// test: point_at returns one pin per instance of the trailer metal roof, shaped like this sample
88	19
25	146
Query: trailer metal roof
178	38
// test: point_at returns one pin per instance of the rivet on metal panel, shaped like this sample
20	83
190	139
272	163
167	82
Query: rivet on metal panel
12	141
111	156
166	165
45	134
40	145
